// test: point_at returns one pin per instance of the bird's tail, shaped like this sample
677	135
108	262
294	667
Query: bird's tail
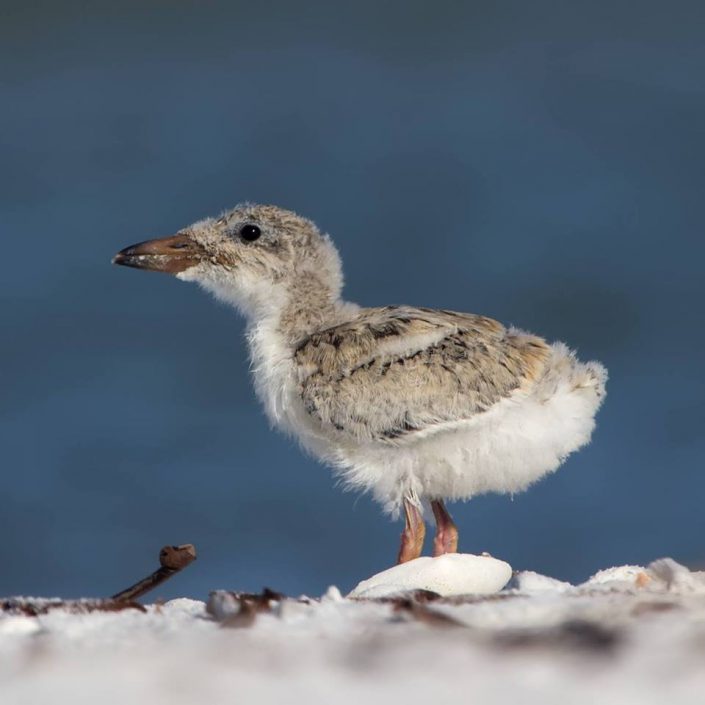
564	372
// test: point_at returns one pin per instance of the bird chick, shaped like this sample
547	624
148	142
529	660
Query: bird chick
414	405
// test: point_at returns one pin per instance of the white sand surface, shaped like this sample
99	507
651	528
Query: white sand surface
628	636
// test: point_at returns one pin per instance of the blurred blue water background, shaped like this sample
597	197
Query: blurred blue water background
541	163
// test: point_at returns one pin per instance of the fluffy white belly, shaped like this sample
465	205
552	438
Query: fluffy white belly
504	449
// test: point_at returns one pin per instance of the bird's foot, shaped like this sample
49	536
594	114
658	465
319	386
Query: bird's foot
413	535
446	539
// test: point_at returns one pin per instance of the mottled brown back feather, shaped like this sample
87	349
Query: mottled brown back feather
377	377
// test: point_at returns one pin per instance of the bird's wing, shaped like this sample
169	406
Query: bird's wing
398	370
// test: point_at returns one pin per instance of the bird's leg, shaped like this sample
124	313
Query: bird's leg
413	535
446	540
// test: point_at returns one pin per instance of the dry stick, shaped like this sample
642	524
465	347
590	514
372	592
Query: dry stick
172	559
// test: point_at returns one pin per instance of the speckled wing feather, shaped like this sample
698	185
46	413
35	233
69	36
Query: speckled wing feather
398	370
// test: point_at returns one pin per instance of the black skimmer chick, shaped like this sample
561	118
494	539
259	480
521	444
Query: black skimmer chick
414	405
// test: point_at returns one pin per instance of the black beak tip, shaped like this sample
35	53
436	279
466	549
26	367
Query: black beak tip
121	257
128	258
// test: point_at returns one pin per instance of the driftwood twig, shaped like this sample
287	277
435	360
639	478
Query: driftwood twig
172	559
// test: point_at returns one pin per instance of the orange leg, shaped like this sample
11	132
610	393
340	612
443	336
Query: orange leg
413	535
446	540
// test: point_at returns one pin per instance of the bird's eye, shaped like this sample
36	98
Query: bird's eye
250	232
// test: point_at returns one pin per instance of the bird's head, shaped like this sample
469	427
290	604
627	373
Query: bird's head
250	256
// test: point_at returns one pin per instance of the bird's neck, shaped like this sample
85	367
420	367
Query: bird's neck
292	311
277	325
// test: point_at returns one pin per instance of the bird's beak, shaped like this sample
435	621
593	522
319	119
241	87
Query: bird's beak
168	254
